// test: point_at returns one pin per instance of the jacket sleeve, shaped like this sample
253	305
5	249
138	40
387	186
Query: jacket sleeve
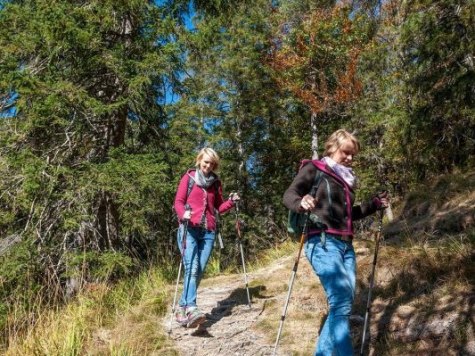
219	203
300	186
366	208
180	196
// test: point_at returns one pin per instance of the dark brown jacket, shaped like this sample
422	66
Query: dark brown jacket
335	199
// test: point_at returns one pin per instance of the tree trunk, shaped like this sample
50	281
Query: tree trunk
241	172
108	219
314	131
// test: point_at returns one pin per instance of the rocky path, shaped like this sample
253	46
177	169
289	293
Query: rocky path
230	325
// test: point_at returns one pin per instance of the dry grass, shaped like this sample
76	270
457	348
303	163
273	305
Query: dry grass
306	307
434	280
440	208
102	321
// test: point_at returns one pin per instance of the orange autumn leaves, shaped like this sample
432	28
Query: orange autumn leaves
317	58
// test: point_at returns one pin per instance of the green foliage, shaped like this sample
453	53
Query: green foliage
18	287
416	116
16	271
86	181
100	266
438	48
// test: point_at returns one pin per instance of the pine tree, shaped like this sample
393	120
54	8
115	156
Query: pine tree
438	47
380	111
84	163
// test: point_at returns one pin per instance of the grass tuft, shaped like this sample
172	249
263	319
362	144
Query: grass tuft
117	320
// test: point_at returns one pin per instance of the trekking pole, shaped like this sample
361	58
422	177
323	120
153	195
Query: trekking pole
218	229
183	247
291	282
238	229
371	281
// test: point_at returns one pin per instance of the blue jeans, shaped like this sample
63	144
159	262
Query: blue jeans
334	262
197	249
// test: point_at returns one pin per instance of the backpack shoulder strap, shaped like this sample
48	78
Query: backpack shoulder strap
216	184
316	182
190	186
318	175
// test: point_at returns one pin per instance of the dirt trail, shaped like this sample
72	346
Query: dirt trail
230	325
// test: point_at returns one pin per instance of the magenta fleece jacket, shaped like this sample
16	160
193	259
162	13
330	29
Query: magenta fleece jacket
202	201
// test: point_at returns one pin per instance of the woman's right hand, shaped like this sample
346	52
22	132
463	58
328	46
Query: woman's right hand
187	215
308	202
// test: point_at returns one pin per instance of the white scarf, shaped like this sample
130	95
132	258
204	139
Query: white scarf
345	173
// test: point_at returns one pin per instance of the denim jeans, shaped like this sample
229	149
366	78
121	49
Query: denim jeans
197	249
334	262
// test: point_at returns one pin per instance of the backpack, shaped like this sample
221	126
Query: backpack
296	221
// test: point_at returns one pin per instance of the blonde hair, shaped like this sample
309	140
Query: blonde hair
211	154
337	139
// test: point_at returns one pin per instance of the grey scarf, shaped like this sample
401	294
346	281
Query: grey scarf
203	181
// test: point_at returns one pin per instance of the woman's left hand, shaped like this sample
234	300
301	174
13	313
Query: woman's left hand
234	197
383	199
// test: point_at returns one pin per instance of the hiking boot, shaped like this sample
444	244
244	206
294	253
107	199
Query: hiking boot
194	318
180	316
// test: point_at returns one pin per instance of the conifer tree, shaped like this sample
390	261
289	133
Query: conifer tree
379	112
438	48
239	110
82	160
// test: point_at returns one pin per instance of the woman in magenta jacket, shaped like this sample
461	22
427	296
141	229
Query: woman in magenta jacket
198	195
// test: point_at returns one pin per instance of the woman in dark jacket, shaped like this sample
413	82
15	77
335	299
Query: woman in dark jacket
329	247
